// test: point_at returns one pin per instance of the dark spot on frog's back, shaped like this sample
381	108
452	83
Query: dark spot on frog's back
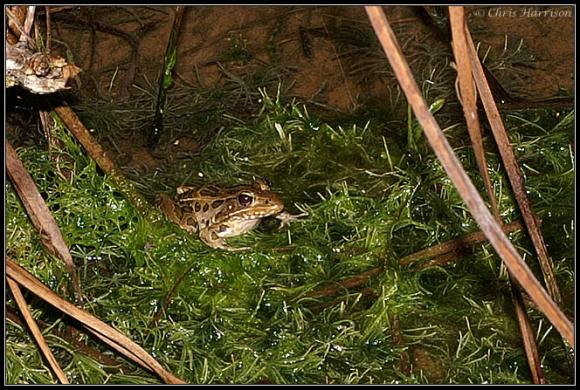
187	209
205	207
178	213
209	191
191	222
216	203
197	207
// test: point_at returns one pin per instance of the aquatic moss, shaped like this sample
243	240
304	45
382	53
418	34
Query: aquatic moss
246	317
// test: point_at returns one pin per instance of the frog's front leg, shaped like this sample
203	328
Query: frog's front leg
285	218
210	237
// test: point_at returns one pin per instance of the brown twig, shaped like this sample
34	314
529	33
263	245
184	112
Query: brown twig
101	157
169	297
345	284
105	332
21	302
443	259
45	121
40	215
79	345
404	364
468	100
528	335
455	244
460	49
461	180
514	173
48	31
441	253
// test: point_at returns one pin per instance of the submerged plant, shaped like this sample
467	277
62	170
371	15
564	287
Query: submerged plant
253	316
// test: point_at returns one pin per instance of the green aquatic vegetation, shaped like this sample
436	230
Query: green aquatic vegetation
248	317
238	50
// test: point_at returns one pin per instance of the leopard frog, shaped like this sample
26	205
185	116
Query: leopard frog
218	212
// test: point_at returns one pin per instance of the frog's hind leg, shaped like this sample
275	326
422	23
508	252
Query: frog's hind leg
210	237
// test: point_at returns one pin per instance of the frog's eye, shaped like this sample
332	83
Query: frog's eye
245	199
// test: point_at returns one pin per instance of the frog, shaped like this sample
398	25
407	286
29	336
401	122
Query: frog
218	212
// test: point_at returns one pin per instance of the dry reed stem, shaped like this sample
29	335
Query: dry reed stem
461	181
21	302
105	332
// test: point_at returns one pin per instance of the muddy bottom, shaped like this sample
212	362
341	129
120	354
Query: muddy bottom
326	57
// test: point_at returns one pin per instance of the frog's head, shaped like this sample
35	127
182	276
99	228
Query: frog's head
258	201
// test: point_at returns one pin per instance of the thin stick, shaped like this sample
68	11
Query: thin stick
40	215
21	302
346	283
455	244
468	100
48	31
445	249
29	19
529	339
514	173
68	335
169	297
458	29
116	339
459	177
19	27
101	157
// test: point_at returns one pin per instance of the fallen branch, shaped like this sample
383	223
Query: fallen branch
41	217
464	69
443	250
513	171
21	302
67	335
97	153
105	332
455	244
517	267
468	99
